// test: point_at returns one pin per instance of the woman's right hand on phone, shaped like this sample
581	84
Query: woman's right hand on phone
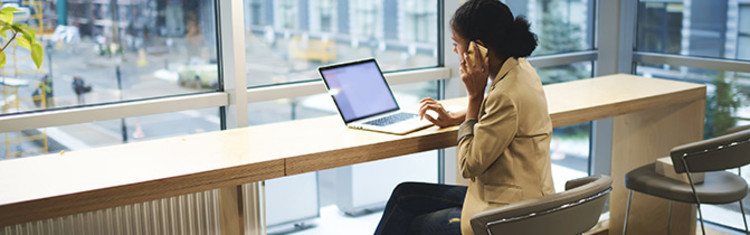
474	75
443	119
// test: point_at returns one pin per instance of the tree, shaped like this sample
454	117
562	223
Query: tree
21	33
721	106
559	35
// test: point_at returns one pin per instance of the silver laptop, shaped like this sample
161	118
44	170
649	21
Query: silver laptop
365	100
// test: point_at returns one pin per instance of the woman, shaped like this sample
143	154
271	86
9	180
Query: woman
503	141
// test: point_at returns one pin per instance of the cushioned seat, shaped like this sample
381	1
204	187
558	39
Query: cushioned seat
719	187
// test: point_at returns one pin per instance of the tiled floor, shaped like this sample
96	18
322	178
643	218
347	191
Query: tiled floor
332	221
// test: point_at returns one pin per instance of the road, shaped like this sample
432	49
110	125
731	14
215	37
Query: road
153	73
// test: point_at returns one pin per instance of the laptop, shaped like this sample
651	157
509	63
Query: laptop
365	100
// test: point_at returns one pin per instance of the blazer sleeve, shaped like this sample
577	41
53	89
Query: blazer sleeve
481	142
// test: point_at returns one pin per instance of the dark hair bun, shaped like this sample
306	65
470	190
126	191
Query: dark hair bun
521	41
492	22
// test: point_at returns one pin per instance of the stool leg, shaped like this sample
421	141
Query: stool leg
669	219
627	213
744	220
742	208
700	213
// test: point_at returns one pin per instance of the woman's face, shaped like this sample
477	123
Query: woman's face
459	44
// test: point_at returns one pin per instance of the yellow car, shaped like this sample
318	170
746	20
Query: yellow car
312	49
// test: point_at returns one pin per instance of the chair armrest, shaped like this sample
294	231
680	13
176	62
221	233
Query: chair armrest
591	186
736	129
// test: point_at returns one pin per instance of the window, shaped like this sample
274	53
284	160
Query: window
704	28
99	52
125	51
659	27
303	35
104	133
149	49
560	25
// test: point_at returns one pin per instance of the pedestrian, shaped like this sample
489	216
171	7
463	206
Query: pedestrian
45	86
80	88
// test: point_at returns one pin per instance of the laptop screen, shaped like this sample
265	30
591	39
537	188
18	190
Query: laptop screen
358	89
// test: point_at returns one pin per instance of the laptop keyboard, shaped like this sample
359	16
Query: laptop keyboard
390	119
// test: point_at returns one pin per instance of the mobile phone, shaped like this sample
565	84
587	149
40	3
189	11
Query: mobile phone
470	52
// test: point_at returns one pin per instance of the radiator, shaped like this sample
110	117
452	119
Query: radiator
196	213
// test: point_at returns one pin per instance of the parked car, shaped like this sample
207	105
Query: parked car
199	76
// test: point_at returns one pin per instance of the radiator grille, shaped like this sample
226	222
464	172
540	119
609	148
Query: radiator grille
196	213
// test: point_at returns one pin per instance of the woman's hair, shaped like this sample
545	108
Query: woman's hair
492	22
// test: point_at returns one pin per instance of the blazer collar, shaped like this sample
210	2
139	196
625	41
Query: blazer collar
509	64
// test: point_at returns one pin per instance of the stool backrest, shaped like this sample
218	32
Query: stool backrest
715	154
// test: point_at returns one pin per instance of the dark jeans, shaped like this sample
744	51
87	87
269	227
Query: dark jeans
420	208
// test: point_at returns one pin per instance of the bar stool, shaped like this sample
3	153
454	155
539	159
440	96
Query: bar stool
711	156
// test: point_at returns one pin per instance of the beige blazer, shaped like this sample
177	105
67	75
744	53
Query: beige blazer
505	153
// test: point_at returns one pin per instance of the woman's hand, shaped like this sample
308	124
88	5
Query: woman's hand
443	119
475	75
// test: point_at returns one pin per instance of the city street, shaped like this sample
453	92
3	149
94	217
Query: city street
154	74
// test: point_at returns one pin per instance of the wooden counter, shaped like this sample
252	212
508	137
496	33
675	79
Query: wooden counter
651	116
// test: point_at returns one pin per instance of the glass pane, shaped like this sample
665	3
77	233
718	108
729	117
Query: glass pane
569	149
743	41
560	25
352	193
697	27
287	40
565	73
158	48
726	106
104	133
743	47
744	25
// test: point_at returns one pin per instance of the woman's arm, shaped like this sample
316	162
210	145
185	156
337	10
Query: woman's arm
481	142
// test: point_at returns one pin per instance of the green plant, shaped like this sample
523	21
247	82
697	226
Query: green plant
721	106
27	38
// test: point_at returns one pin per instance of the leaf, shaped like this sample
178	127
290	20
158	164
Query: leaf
6	14
2	59
28	30
4	30
24	41
16	27
36	54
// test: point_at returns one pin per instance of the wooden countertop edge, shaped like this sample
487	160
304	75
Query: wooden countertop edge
615	109
348	156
